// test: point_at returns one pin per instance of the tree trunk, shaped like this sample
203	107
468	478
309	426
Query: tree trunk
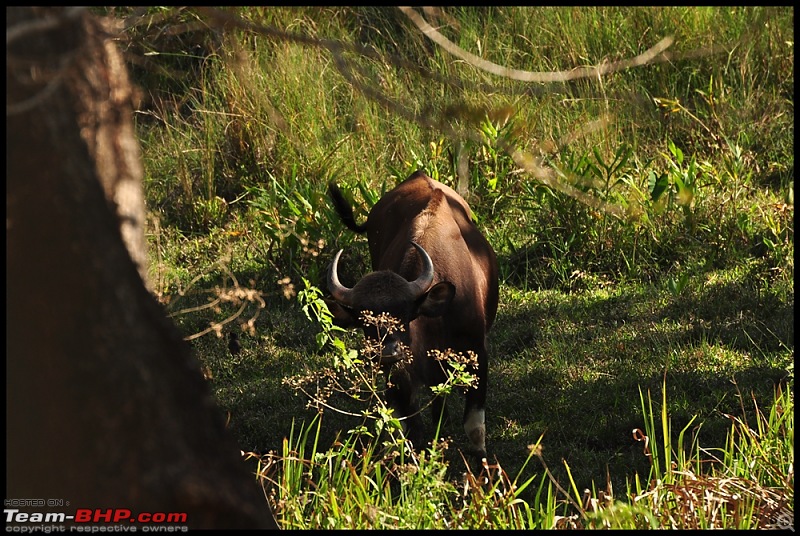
106	405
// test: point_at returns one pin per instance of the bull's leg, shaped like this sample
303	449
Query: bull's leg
400	397
475	407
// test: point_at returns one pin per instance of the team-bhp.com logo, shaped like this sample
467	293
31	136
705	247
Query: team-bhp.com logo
94	520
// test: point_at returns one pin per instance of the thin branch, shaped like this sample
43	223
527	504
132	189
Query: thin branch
42	25
447	120
524	160
225	19
65	61
217	326
531	76
44	93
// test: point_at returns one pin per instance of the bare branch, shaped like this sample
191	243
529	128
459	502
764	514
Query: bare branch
41	95
65	61
531	76
222	18
550	177
449	121
525	160
41	25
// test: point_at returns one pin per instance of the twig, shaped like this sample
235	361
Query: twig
531	76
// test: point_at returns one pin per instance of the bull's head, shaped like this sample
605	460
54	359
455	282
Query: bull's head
388	292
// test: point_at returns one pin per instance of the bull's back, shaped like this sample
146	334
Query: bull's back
396	217
437	218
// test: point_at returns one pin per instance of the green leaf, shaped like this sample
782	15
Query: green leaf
676	152
657	184
676	285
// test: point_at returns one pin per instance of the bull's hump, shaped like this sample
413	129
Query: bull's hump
453	198
419	192
431	217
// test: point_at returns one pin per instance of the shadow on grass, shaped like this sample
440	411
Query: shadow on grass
571	367
567	366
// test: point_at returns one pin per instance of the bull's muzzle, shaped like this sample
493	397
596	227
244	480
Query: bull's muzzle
391	353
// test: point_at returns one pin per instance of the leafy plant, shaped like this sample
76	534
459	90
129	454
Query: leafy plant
685	179
359	376
293	220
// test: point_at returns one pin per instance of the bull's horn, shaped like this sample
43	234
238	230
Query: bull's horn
338	291
422	283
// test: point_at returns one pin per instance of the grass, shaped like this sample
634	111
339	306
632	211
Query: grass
354	485
660	261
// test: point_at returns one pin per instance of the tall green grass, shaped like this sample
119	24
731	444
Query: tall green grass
271	119
355	484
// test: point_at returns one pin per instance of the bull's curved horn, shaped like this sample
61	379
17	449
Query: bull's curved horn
338	291
422	283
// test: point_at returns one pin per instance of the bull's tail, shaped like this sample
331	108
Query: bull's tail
344	209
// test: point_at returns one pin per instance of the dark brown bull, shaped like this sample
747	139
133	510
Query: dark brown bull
436	273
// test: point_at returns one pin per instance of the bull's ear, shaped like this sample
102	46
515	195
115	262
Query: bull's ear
437	299
342	316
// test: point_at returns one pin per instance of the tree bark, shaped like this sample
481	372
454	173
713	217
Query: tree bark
106	405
